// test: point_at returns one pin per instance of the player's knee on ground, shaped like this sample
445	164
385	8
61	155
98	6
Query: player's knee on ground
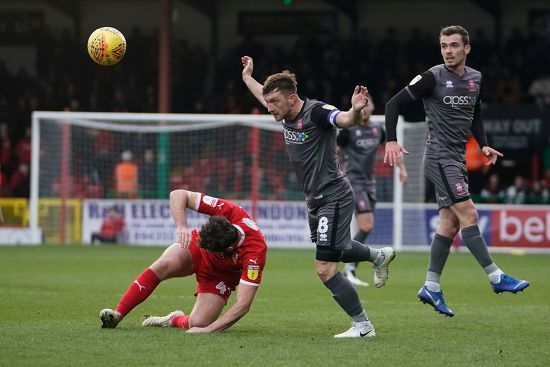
200	321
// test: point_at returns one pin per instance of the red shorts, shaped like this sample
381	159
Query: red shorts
210	281
213	286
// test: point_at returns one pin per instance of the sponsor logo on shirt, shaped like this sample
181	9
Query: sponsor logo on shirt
363	143
449	84
295	137
209	200
456	101
253	272
250	223
329	107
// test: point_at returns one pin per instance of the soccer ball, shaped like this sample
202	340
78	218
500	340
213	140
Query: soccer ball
106	46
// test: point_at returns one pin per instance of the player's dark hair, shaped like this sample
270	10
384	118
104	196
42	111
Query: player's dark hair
456	29
284	82
217	234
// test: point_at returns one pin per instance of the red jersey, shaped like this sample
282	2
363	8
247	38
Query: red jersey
112	225
245	264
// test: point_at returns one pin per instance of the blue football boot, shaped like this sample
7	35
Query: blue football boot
436	300
508	283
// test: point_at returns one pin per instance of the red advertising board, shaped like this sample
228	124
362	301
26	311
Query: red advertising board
521	228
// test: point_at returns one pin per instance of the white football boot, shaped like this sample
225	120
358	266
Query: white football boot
109	318
358	330
385	257
162	321
350	274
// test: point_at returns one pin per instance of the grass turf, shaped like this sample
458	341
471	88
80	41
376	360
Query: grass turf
51	296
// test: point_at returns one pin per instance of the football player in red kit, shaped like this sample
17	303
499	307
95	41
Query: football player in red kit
228	251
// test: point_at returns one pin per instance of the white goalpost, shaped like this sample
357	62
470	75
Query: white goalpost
409	219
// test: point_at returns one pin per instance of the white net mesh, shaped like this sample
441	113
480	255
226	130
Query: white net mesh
412	137
118	156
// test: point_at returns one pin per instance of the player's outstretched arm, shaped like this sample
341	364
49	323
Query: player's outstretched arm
245	296
179	201
359	100
252	84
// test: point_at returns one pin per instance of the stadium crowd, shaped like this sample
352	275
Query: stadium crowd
205	83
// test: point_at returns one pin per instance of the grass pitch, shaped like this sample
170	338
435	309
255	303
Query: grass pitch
51	297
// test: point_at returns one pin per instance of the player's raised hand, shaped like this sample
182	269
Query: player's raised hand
491	154
360	98
183	236
393	153
248	65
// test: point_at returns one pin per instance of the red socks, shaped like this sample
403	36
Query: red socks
181	322
138	291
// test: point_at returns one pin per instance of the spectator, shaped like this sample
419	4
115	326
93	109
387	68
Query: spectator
539	193
492	193
6	148
516	194
104	146
126	176
540	90
23	147
112	227
20	182
148	174
4	184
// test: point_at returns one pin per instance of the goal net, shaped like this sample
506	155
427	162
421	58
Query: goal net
411	228
86	163
128	156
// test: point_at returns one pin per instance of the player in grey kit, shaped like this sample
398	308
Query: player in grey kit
358	146
310	137
450	93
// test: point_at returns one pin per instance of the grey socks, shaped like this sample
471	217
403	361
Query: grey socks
346	296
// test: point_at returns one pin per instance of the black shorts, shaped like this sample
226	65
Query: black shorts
450	179
365	199
329	225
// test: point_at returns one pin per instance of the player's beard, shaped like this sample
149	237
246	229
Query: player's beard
456	61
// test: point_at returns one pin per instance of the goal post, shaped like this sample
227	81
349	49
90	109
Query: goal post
76	156
409	218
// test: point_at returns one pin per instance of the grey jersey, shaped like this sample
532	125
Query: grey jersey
311	146
359	145
449	107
